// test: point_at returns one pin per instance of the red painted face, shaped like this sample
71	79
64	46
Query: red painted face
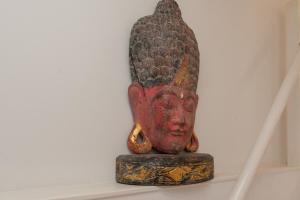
166	114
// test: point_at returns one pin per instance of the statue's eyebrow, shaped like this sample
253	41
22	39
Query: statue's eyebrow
161	93
190	97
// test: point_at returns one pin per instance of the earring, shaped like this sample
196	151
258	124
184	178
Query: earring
142	147
193	145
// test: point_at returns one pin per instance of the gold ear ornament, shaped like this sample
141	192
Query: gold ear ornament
134	145
193	145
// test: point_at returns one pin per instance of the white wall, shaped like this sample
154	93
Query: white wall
293	109
64	75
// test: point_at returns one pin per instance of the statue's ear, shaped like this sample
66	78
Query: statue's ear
136	97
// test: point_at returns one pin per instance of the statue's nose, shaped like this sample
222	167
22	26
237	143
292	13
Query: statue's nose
178	118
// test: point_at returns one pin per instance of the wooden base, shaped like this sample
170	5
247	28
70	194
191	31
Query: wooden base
164	169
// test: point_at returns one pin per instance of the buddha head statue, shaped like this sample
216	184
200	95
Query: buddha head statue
164	66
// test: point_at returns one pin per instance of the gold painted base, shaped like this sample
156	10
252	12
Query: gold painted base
164	169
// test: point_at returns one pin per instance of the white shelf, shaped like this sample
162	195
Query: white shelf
113	190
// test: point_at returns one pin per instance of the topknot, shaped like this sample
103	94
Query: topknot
168	8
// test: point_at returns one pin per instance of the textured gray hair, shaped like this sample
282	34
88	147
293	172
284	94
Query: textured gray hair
158	45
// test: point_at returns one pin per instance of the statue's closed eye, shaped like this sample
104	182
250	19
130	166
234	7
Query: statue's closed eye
189	105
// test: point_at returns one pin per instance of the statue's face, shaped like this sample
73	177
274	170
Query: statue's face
167	115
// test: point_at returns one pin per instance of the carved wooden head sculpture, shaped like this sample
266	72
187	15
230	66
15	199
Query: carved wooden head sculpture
164	65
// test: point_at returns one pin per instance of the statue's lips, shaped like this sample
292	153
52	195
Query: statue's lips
177	133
